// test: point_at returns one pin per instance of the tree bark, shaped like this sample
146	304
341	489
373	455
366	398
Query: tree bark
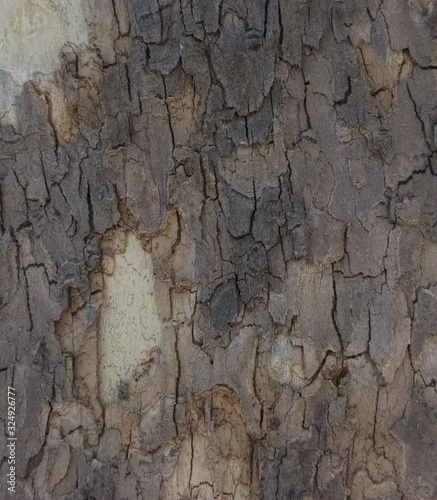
219	249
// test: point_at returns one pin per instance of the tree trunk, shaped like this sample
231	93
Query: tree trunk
218	249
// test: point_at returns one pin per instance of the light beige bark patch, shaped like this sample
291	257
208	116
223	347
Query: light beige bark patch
32	33
130	326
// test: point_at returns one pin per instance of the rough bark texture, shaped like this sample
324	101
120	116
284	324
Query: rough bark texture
218	249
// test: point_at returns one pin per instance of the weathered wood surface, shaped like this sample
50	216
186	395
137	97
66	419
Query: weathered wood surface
218	248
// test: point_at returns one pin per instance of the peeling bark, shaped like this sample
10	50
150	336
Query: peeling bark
218	248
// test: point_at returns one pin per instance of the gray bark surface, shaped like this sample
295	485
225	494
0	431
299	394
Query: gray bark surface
218	254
